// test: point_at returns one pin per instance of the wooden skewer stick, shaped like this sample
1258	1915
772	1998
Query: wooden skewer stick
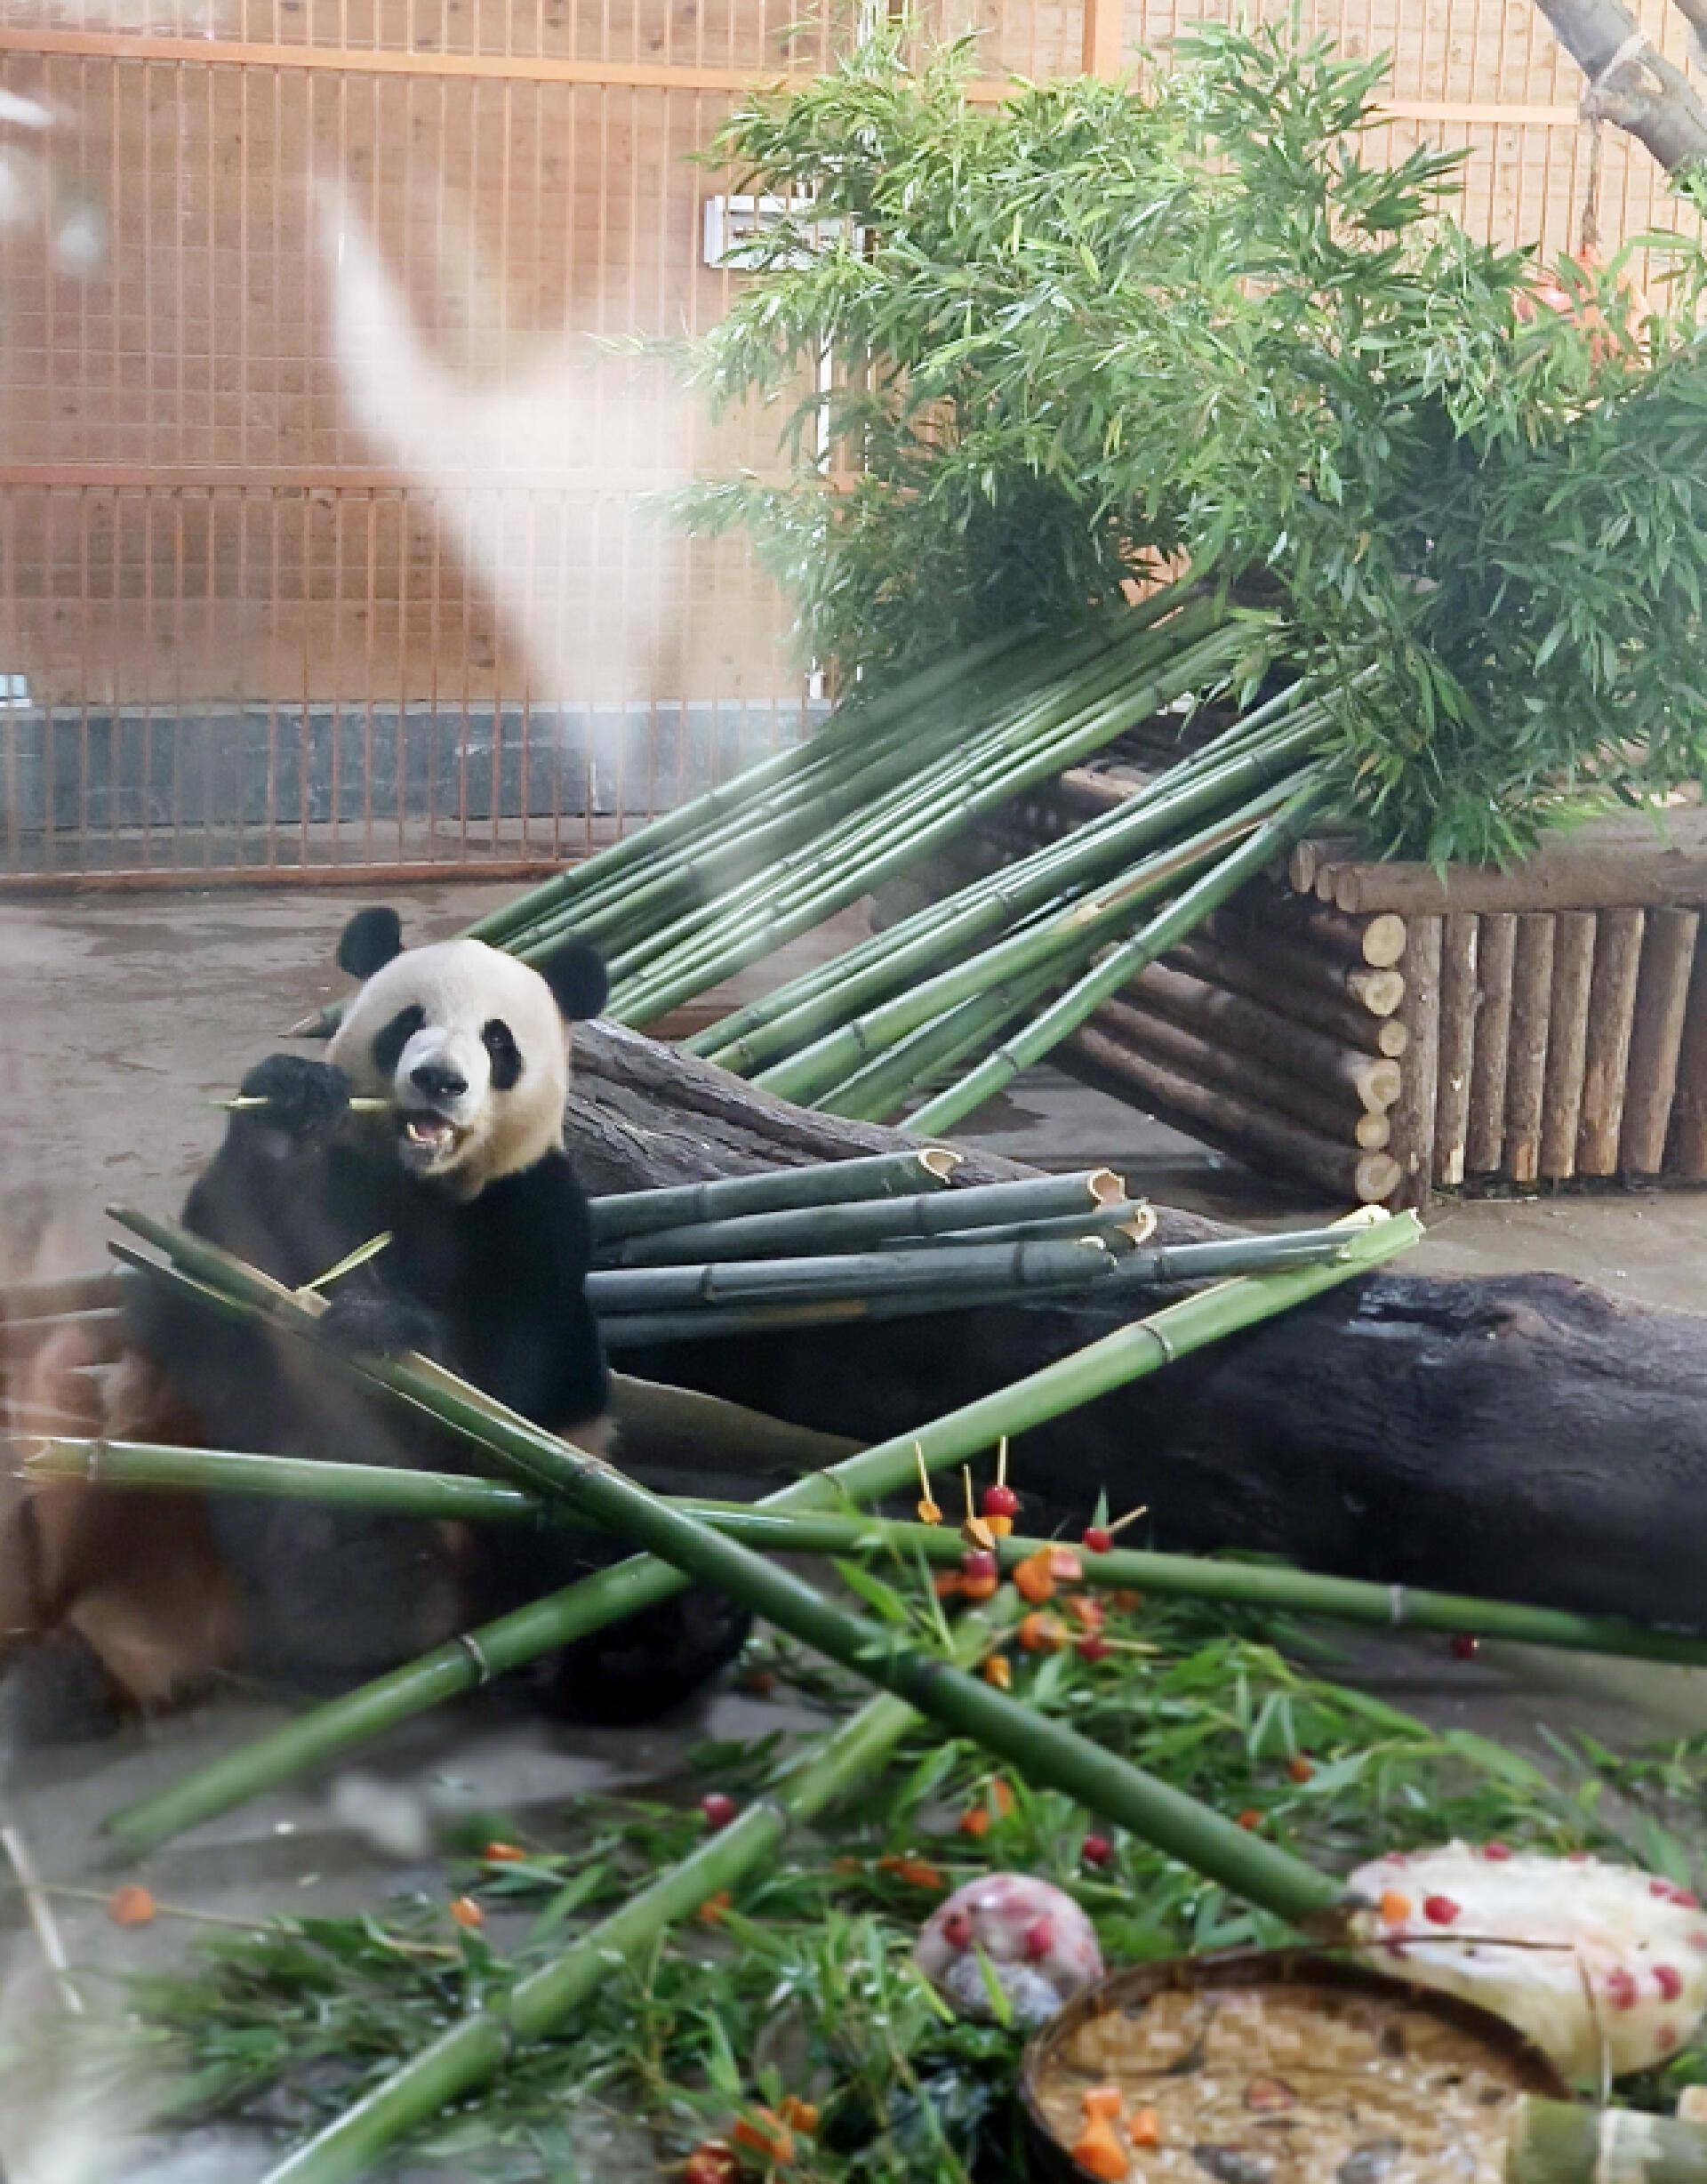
243	1102
41	1917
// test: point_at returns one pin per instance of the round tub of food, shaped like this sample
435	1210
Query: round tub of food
1274	2067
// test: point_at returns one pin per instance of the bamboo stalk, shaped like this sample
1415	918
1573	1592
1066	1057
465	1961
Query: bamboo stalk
1067	933
39	1300
1496	947
478	2046
1559	2142
1574	950
1606	1058
1116	1359
1238	1126
789	910
1458	1000
1412	1143
1293	955
1345	1021
451	1498
1265	1033
865	1221
1140	1270
1656	1038
1048	1753
1122	963
1532	987
947	1269
101	1332
882	1174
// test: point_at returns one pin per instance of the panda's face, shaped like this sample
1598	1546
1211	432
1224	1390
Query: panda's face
472	1048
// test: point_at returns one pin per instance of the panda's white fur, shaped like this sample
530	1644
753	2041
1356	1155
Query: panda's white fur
464	1139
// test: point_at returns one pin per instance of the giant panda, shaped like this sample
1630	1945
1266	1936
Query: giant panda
466	1172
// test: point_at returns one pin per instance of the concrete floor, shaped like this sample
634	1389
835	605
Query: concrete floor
121	1019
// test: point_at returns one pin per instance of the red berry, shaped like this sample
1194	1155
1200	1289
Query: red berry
1620	1989
1037	1939
1667	1979
1000	1501
1299	1768
1097	1850
718	1808
1498	1852
1439	1910
1465	1646
1093	1647
980	1562
1250	1818
1096	1539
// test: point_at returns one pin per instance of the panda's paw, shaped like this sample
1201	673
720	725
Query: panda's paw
361	1324
304	1099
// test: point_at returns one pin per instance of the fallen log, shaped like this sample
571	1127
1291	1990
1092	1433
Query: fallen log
1525	1436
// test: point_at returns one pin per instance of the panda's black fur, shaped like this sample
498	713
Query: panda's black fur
484	1271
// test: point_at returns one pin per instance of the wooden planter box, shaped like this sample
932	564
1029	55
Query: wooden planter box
1384	1030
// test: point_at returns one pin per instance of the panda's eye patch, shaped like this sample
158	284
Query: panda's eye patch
388	1048
500	1042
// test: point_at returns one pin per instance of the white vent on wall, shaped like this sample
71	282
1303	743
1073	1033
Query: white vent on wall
14	689
733	225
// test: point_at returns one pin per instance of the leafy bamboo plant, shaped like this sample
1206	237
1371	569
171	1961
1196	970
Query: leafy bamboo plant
1102	326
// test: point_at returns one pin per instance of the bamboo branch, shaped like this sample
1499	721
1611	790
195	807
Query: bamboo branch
1116	1359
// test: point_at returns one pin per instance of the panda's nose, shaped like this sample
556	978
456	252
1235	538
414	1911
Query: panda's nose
437	1083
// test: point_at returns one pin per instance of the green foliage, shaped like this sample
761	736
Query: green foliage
1097	328
805	1985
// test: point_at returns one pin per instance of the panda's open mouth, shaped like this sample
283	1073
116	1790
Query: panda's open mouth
425	1137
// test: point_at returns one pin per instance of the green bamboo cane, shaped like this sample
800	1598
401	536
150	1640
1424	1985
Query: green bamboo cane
448	1497
1562	2142
821	1229
1062	868
637	913
477	2048
878	1090
901	703
1067	933
1110	1279
1119	966
782	918
826	1183
944	1270
1047	1752
897	787
1127	1354
728	1038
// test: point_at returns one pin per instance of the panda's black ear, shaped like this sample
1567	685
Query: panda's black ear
577	978
369	941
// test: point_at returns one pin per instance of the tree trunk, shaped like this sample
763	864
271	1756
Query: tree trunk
1631	83
1525	1436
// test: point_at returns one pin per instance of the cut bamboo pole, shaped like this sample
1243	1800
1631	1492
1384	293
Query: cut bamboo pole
818	1229
451	1497
1127	1354
1235	1125
100	1335
1266	1034
1332	1110
1458	999
1567	1039
1532	989
1412	1144
1687	1154
1346	1022
1612	1013
1656	1038
946	1271
1495	950
884	1175
1068	1011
